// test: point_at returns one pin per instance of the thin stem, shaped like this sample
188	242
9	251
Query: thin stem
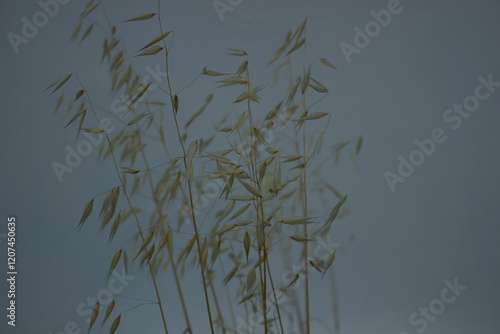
189	181
260	228
216	302
177	283
275	299
174	268
228	295
336	317
306	264
129	203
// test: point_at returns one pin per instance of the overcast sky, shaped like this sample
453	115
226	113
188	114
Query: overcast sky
413	230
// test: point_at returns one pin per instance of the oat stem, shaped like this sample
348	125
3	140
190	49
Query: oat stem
128	201
188	181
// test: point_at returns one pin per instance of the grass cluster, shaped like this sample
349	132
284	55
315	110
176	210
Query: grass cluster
216	212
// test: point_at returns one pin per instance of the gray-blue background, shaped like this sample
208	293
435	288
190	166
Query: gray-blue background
441	223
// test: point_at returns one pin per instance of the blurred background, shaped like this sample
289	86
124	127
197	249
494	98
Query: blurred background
411	232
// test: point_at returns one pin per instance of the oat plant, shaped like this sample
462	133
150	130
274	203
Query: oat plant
240	206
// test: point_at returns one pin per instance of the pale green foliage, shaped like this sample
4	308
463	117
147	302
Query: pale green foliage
265	209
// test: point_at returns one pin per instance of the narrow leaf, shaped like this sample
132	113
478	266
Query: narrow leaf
156	39
314	115
115	324
176	103
330	259
246	298
353	160
137	118
58	80
327	63
296	220
61	82
251	278
299	238
230	275
212	73
106	202
359	144
146	242
110	308
237	52
139	95
80	124
319	143
274	112
87	32
335	210
114	262
75	116
77	29
114	227
79	94
90	9
192	151
58	103
86	212
246	243
297	45
93	316
251	188
316	265
319	86
151	51
140	17
95	129
130	170
215	252
239	212
242	68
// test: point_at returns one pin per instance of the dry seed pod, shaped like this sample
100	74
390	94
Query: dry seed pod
114	227
114	261
140	17
327	63
251	278
136	118
156	39
95	129
87	32
115	324
251	188
108	312
230	274
245	298
146	242
215	252
93	316
299	238
359	144
86	212
246	243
